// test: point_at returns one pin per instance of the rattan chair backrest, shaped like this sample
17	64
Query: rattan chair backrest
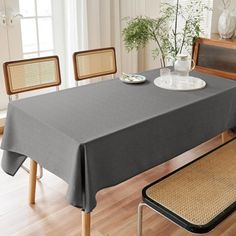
31	74
94	63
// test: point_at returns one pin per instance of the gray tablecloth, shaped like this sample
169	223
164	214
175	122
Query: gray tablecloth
101	134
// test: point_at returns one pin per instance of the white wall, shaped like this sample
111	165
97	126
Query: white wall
217	4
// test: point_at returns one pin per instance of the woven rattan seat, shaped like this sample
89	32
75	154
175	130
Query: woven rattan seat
199	195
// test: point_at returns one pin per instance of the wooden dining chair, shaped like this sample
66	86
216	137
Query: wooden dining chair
31	74
215	56
94	63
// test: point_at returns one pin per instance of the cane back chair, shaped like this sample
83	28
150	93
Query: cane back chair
94	63
31	74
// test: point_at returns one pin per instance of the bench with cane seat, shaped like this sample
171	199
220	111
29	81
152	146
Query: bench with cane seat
199	195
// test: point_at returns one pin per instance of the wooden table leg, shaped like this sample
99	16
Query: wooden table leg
224	136
85	224
32	181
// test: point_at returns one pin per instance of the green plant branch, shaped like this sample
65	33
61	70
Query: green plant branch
176	26
167	33
159	45
184	36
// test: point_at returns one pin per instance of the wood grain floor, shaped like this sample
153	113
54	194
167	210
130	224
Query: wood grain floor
115	214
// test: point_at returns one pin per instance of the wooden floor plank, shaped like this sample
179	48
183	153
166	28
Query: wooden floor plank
115	214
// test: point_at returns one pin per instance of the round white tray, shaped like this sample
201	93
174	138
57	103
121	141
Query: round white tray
180	83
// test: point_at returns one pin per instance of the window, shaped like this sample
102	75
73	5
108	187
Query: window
36	28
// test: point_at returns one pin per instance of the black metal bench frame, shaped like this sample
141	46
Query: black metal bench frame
147	201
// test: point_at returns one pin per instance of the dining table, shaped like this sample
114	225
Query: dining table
98	135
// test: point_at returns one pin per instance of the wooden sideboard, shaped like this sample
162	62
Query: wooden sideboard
215	56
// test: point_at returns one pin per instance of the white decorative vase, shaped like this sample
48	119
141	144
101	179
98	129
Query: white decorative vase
226	24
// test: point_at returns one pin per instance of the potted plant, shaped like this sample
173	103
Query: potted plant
173	32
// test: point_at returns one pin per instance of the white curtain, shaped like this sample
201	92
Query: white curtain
90	24
99	23
104	29
136	61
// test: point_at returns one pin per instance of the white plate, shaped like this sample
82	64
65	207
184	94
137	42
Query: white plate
180	83
136	79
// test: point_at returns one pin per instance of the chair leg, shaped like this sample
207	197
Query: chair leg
140	218
224	136
227	135
85	223
32	181
40	171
